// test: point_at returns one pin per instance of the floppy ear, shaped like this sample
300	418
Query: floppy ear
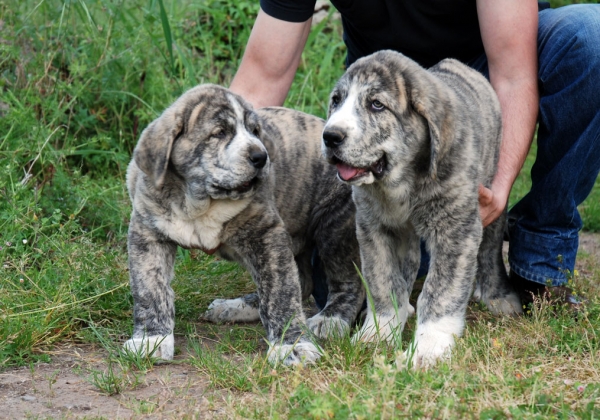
153	150
430	99
266	139
269	145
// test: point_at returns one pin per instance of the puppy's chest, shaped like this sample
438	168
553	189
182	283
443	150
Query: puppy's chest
390	206
200	230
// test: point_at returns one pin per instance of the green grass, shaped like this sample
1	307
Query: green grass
79	80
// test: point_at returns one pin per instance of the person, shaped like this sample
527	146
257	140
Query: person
543	64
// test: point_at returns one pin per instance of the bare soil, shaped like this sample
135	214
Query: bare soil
62	389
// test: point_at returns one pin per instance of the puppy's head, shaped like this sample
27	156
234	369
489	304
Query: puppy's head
209	140
388	118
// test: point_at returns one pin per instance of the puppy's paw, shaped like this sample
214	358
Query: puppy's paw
380	327
429	351
327	326
433	342
301	353
509	305
161	346
231	310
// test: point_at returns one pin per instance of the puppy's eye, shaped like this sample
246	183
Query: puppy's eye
219	133
256	132
335	101
377	106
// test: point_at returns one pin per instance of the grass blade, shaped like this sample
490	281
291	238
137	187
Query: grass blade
168	37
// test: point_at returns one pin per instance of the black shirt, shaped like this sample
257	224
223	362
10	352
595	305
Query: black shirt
425	30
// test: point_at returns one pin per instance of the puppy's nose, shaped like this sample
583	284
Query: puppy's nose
333	138
258	158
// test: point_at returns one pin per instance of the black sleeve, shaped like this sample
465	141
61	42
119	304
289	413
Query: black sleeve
290	10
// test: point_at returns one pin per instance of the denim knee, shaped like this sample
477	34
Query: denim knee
573	31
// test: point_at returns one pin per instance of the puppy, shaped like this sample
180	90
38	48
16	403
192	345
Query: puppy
212	174
415	144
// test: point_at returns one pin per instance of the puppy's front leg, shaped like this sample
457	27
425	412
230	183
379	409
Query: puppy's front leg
266	248
151	261
390	260
443	301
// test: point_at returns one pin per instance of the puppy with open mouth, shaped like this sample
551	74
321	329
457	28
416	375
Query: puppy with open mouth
213	174
415	144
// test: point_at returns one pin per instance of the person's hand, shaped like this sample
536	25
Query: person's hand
491	205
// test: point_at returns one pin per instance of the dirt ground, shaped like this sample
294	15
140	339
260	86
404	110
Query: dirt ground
62	389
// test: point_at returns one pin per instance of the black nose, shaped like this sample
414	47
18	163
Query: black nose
333	138
258	159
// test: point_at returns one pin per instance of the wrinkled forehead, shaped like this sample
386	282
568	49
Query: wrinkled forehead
369	78
218	106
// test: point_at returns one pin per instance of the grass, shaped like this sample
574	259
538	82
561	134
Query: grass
78	83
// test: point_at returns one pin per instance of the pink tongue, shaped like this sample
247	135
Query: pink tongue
348	172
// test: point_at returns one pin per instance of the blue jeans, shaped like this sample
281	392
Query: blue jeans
543	227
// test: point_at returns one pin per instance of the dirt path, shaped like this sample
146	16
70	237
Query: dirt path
62	388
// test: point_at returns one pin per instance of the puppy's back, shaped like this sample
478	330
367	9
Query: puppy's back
479	110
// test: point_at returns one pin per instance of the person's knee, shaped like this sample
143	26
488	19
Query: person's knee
577	26
569	54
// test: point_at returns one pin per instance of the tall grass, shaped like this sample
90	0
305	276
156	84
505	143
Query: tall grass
79	80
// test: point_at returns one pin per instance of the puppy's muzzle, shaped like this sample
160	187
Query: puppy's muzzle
333	138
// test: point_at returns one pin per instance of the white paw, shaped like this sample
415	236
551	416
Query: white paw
161	346
381	327
327	326
410	310
477	293
302	353
231	310
509	305
434	341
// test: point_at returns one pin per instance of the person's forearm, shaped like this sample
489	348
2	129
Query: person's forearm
519	102
509	34
259	88
270	62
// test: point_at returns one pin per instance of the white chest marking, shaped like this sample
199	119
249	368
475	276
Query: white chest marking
201	230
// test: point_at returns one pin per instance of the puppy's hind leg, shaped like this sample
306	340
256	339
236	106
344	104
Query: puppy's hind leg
492	286
242	309
339	252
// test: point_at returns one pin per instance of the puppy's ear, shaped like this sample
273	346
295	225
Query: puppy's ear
153	150
266	133
432	100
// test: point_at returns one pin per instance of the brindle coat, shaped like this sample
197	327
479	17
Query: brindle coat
415	144
201	177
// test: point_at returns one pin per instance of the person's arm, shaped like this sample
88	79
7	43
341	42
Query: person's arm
270	61
509	32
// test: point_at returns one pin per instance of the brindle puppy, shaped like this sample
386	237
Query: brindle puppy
415	144
201	178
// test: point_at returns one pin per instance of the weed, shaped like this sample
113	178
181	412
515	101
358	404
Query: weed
114	380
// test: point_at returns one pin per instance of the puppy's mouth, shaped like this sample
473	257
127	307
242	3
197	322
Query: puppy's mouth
240	189
351	173
246	186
